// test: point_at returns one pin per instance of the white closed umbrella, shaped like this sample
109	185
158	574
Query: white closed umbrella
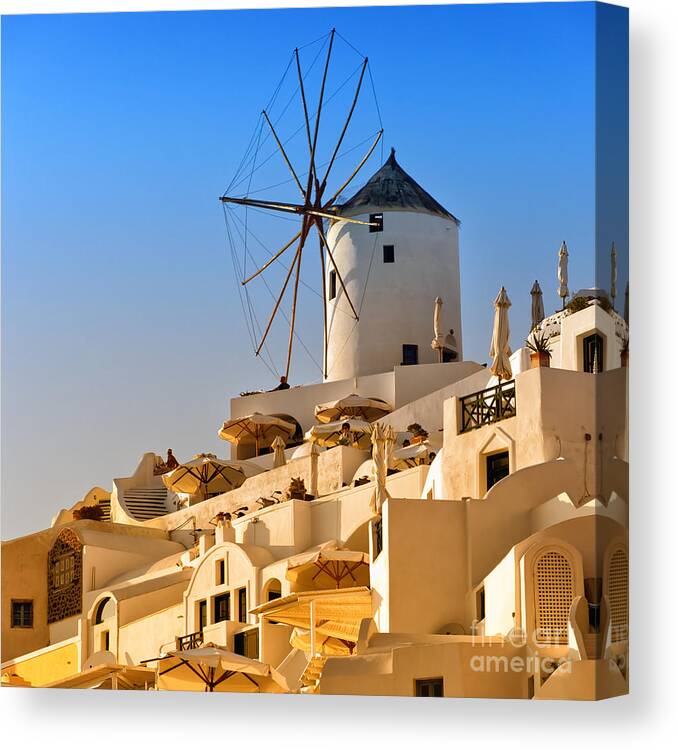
380	436
500	351
438	338
278	446
563	255
537	304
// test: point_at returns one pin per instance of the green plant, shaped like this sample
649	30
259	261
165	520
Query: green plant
576	304
88	512
538	342
417	430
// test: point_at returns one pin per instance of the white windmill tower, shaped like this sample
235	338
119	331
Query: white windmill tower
394	264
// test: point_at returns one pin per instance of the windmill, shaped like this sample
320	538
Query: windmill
316	203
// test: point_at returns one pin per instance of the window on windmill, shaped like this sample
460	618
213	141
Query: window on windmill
449	355
410	354
332	291
376	222
389	253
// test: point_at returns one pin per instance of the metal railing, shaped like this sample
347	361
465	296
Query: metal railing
192	640
488	406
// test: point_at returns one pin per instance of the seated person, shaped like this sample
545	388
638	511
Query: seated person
171	462
346	437
283	385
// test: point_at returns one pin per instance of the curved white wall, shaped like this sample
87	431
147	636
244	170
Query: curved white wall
397	305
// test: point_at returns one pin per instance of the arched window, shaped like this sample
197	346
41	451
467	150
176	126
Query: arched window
100	613
272	590
64	577
554	592
618	594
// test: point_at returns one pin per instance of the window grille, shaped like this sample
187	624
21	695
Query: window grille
554	591
618	595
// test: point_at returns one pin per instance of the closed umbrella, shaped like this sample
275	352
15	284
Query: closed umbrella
328	435
500	351
205	474
563	291
354	405
255	429
278	446
380	437
537	304
613	273
211	668
438	338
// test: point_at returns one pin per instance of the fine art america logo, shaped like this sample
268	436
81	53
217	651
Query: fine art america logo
539	658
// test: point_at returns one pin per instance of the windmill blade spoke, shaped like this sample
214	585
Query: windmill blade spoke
271	260
284	155
303	99
335	217
292	208
280	297
312	172
356	170
293	316
321	232
345	128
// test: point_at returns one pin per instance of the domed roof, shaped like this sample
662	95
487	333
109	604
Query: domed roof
392	189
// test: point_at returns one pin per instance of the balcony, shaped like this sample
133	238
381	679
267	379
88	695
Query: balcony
488	406
192	640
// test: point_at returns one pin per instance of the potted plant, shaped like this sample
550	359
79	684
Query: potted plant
419	434
540	351
624	353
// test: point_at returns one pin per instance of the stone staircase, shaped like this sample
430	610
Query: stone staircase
144	503
311	676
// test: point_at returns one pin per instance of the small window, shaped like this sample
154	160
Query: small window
222	607
376	222
497	467
378	538
449	355
62	571
332	291
593	353
22	613
480	604
106	640
242	605
202	614
273	590
410	354
220	572
432	688
246	643
389	253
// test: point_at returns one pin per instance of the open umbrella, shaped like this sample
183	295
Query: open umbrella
356	406
331	434
500	351
410	455
326	645
563	291
211	668
205	474
255	429
329	565
537	304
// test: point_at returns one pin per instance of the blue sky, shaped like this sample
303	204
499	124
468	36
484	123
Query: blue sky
122	328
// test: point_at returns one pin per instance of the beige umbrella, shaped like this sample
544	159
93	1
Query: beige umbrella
380	454
255	429
411	455
211	668
331	434
563	291
356	406
205	474
329	565
537	304
278	446
500	351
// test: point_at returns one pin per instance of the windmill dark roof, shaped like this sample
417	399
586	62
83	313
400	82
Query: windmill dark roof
391	188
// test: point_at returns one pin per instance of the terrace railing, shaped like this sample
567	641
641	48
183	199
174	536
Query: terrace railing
488	406
192	640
